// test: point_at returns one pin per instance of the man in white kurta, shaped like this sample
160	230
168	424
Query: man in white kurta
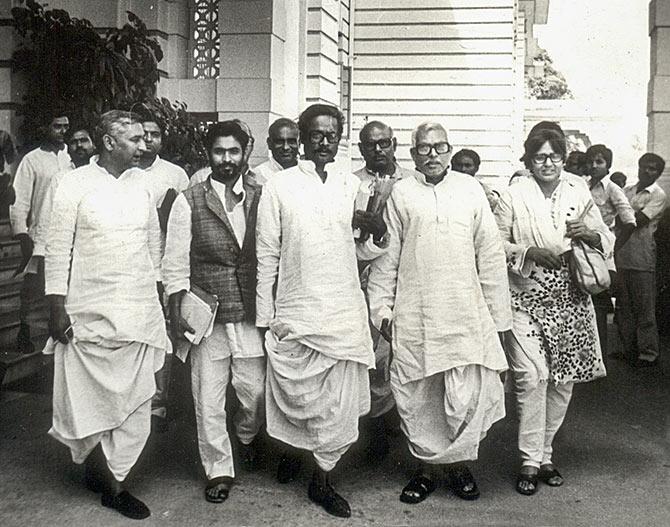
283	145
108	336
167	180
31	183
318	343
441	291
377	146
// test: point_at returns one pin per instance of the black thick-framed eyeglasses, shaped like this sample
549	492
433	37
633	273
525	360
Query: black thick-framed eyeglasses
541	159
424	149
371	146
316	137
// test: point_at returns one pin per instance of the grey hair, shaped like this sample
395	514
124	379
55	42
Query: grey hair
112	122
425	127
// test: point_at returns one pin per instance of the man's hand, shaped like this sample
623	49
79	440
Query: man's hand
178	326
543	257
369	222
60	327
27	245
386	330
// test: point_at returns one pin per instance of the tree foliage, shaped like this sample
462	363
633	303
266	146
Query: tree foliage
550	84
68	66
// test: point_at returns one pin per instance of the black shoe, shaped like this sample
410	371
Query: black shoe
159	424
330	500
462	483
23	343
126	504
289	468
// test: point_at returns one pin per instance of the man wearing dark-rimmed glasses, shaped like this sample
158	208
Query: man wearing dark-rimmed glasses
378	147
440	295
317	336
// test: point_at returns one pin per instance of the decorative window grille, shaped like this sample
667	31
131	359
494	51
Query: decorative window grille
206	39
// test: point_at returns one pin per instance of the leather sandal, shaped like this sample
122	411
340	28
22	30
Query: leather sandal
222	493
551	477
417	490
463	484
527	490
330	500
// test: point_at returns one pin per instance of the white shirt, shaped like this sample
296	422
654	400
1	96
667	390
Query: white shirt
31	183
266	170
102	254
165	175
612	202
443	280
305	244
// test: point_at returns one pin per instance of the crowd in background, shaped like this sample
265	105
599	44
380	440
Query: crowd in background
338	295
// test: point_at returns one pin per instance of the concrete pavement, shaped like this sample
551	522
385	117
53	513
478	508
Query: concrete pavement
613	451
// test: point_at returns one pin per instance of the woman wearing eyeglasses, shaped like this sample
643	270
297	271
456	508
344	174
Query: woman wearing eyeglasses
554	339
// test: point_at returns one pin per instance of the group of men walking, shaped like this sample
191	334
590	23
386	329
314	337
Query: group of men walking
336	298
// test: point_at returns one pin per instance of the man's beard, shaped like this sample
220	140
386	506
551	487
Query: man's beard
225	171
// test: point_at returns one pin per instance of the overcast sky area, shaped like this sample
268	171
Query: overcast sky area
602	49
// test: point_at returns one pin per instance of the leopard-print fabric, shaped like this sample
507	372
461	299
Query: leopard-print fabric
563	324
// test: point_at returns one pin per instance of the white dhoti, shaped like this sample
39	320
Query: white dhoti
232	353
102	394
381	396
445	416
313	402
541	403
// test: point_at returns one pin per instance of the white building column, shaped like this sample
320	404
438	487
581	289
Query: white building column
658	100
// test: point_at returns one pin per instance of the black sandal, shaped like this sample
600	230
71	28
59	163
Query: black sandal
551	477
526	478
463	484
417	490
222	494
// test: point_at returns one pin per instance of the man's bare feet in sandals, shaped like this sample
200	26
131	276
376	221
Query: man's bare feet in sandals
526	480
550	476
217	489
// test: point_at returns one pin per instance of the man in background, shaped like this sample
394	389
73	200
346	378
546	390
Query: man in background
282	143
31	182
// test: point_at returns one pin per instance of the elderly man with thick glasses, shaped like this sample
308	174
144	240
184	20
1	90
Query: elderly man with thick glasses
310	302
440	294
283	145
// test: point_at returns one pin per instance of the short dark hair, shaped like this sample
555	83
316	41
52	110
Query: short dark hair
650	157
546	125
54	113
602	150
282	122
225	129
535	141
466	152
373	124
316	110
618	175
148	116
78	127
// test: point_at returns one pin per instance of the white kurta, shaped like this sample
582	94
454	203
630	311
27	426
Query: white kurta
31	183
319	346
443	279
305	244
163	176
102	254
44	220
266	170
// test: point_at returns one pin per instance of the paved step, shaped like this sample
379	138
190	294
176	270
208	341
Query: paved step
5	229
8	267
16	366
10	249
